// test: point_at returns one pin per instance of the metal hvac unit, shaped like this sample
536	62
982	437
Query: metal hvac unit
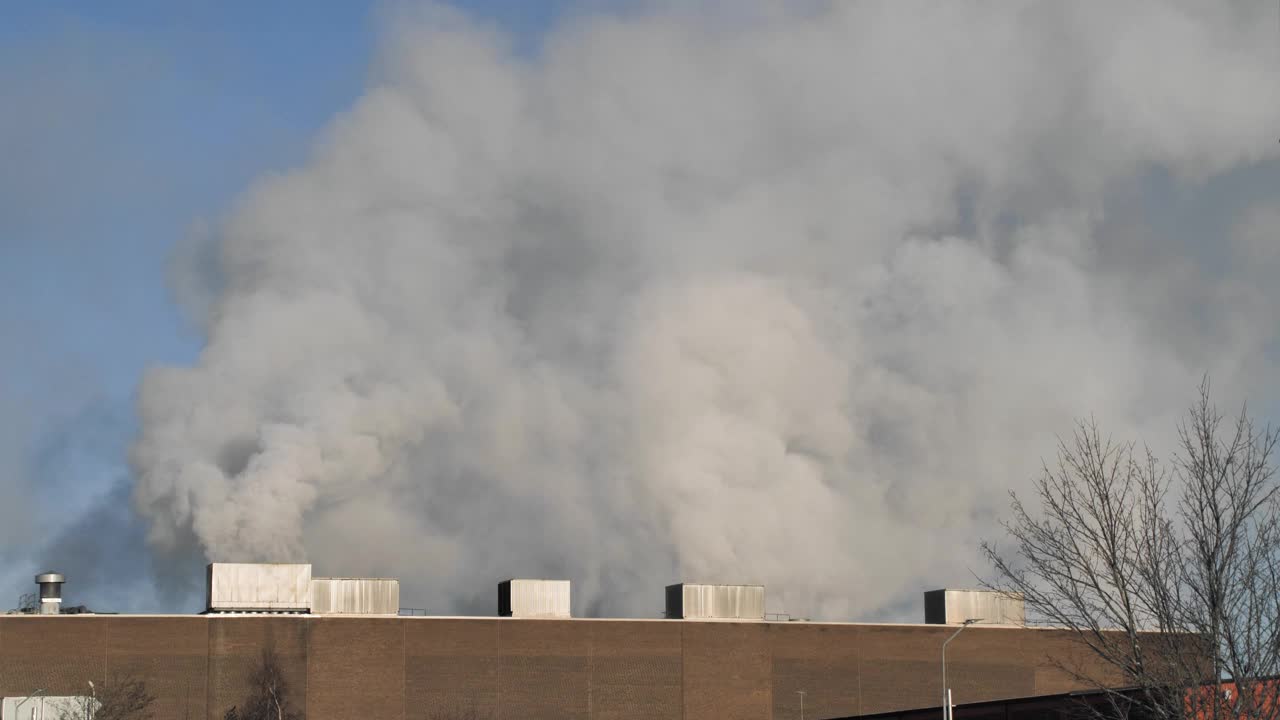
534	598
355	596
696	601
952	607
258	587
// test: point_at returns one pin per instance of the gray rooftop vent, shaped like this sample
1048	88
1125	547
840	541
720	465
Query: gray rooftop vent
696	601
533	598
355	596
50	592
953	607
258	587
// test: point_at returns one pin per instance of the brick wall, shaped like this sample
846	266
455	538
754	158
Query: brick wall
491	669
451	668
236	647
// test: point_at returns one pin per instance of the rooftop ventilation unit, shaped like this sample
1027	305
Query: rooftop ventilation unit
696	601
355	596
953	607
258	587
533	598
50	592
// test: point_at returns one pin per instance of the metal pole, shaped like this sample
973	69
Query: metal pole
26	700
801	694
946	695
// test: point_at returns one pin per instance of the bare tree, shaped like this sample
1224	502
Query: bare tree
268	697
123	698
1169	572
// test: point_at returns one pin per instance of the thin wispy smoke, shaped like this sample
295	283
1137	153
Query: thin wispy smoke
771	294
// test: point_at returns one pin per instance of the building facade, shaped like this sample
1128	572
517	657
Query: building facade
435	668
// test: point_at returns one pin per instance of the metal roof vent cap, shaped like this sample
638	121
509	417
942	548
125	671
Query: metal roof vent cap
50	592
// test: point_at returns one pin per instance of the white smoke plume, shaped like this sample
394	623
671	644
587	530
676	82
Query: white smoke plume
780	294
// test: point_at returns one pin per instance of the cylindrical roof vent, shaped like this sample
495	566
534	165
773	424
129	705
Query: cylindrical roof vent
50	592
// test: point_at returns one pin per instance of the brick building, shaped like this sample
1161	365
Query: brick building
345	652
411	667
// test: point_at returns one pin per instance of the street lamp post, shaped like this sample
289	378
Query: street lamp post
92	710
946	693
26	700
801	694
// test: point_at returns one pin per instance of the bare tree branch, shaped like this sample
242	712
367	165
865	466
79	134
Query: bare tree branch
1168	572
268	697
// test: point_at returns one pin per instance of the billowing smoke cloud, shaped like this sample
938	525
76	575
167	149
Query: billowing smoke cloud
770	294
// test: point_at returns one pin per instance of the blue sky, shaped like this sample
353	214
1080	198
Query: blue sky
130	124
122	126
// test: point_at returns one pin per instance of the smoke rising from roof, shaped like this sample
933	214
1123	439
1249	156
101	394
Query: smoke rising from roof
753	295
